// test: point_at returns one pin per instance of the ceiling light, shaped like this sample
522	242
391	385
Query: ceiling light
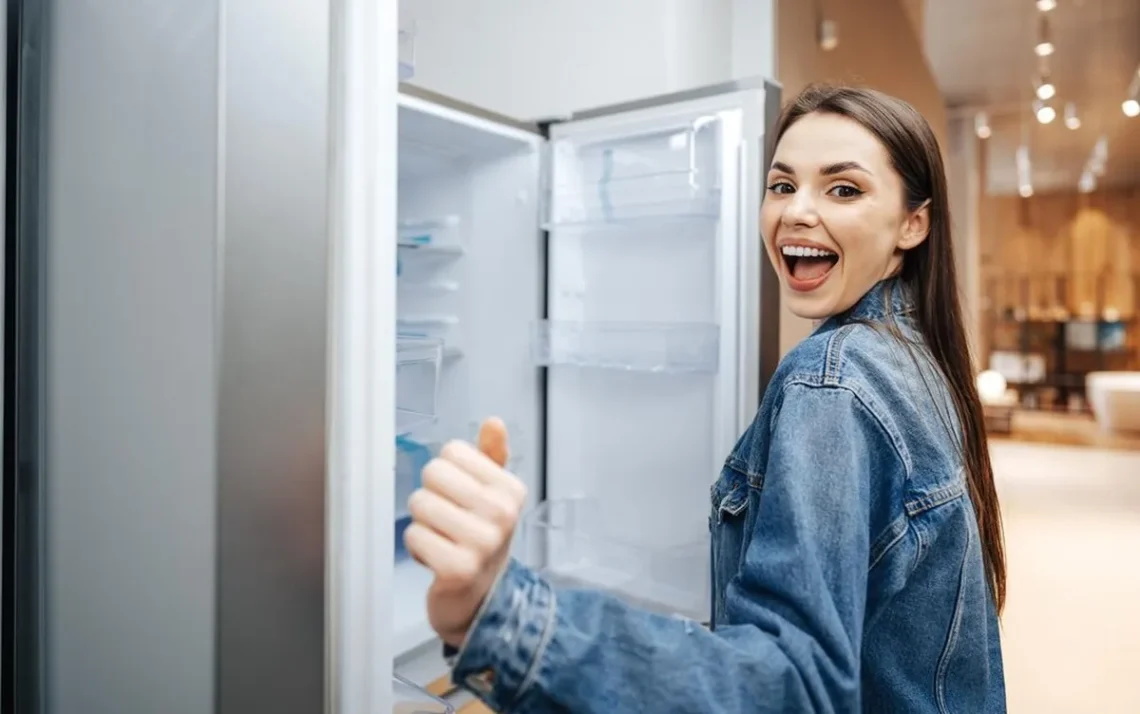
1025	190
982	125
1046	5
1045	113
1044	46
828	35
1071	119
1045	89
1131	107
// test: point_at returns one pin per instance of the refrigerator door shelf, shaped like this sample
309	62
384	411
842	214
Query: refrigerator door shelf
418	362
666	348
442	231
661	173
587	543
410	699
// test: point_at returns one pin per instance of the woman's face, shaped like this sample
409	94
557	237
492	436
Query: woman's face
834	215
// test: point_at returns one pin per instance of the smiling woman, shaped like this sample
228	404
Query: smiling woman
824	551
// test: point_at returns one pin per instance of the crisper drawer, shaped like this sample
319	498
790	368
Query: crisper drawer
586	543
664	171
407	698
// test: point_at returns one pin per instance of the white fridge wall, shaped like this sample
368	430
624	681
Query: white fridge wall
543	58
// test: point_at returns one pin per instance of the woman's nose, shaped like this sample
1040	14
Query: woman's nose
800	210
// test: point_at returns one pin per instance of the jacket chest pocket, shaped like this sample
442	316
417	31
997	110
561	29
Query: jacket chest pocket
730	523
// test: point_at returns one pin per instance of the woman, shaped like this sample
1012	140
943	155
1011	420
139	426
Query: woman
857	552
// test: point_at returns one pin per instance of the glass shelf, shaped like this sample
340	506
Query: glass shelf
582	543
440	232
629	346
671	173
410	699
418	361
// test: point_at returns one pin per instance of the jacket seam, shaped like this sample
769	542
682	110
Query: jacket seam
900	524
539	652
863	401
952	635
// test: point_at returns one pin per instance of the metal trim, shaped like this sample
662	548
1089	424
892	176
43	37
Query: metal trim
685	95
443	100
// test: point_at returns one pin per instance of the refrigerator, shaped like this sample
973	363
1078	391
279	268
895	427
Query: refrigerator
599	283
252	283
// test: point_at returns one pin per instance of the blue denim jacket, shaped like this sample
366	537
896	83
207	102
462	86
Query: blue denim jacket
847	572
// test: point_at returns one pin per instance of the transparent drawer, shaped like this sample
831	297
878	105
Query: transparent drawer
411	458
630	346
667	172
418	361
409	699
586	543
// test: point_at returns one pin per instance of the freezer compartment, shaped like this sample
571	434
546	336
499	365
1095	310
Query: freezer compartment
418	361
409	699
630	346
669	172
411	458
589	543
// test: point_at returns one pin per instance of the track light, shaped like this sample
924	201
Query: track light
982	125
1046	90
1071	119
1131	107
1045	113
1046	5
828	35
1025	190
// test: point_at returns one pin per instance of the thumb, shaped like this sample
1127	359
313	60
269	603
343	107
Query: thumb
493	440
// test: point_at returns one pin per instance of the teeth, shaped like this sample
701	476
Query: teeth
801	251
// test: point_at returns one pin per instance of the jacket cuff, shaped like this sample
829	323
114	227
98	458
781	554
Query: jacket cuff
504	647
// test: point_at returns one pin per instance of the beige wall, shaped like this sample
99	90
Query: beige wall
878	47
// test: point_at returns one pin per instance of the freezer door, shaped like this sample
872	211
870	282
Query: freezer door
651	338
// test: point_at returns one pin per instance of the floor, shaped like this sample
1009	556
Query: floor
1072	623
1071	629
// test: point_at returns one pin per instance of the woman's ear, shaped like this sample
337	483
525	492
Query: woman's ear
916	228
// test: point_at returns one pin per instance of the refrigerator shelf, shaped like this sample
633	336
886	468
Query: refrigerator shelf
668	348
410	699
418	361
584	543
659	173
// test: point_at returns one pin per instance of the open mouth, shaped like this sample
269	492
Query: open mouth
808	266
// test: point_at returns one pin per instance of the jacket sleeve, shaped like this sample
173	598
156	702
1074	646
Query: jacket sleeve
796	605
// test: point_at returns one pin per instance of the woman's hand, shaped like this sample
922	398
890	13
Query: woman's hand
462	522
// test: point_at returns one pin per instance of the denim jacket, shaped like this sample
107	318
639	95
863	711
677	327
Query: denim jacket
846	566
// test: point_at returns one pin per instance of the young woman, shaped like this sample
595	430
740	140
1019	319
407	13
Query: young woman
858	562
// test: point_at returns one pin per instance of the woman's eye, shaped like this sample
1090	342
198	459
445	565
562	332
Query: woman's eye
781	187
845	191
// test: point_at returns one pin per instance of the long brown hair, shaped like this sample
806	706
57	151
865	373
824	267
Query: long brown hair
929	273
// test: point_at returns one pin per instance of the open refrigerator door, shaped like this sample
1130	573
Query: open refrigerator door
642	345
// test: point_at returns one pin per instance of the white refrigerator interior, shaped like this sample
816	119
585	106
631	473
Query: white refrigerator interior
587	287
468	288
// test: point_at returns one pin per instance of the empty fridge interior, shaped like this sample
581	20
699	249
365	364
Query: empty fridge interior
469	279
642	224
583	543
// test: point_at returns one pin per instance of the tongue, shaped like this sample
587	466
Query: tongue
811	268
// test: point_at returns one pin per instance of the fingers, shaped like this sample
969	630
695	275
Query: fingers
482	468
459	525
493	440
447	560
